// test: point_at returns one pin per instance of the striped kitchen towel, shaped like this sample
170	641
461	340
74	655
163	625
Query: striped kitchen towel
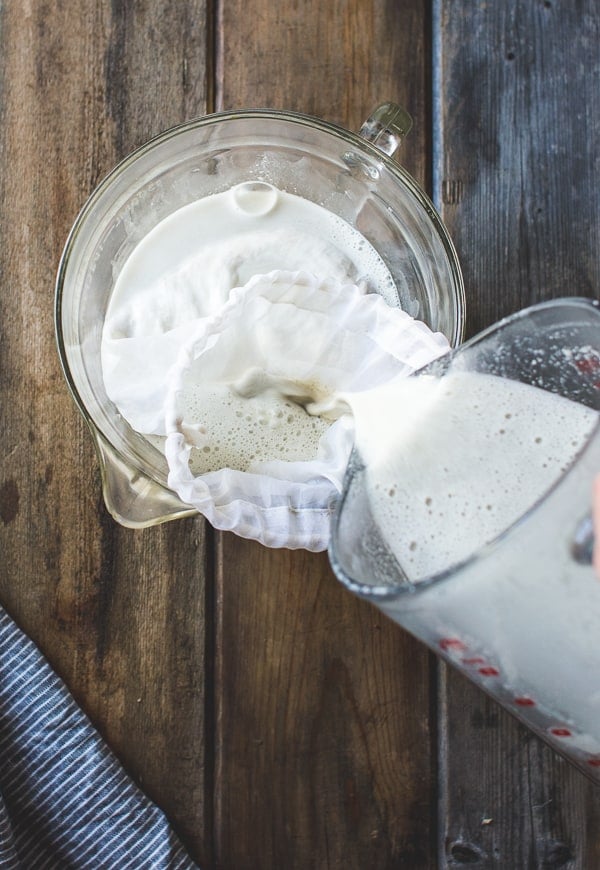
65	801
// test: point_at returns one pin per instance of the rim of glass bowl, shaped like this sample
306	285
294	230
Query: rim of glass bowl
147	463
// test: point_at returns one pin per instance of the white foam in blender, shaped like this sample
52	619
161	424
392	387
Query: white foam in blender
184	269
452	462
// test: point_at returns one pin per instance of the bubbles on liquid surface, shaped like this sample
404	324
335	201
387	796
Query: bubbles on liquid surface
459	479
244	431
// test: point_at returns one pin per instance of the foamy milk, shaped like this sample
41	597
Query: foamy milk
183	271
453	461
248	427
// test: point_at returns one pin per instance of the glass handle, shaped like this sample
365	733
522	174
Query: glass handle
582	545
386	127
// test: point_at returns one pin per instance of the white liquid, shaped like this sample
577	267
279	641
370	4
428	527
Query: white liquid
183	271
186	266
452	462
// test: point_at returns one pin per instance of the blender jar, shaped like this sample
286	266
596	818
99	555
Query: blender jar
519	615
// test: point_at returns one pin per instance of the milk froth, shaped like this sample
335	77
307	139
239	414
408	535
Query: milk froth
452	462
247	428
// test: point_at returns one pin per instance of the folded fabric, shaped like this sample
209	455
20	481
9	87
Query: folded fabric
256	440
65	801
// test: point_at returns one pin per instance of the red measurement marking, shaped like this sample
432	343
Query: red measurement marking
524	701
452	643
475	661
588	364
594	762
560	732
489	672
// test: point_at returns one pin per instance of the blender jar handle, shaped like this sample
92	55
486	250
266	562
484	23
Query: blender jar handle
386	127
582	545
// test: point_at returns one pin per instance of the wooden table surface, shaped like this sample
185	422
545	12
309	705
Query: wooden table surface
278	721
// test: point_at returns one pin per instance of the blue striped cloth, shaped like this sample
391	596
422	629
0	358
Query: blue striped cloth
65	801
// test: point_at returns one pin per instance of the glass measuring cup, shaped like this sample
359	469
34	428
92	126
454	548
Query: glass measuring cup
520	614
351	175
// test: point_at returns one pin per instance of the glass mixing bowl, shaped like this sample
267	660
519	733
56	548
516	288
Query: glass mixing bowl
352	175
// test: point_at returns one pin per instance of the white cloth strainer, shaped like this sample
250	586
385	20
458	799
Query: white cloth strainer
282	339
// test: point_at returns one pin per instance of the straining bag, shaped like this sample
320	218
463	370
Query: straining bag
279	351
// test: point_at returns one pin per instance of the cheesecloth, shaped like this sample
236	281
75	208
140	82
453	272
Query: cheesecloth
306	342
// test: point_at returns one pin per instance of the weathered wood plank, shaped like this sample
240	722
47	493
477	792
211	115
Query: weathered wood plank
335	61
517	180
323	707
323	738
119	614
518	150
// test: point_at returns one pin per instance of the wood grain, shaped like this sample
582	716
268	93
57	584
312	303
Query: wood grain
518	155
120	615
324	724
278	721
333	60
517	179
323	741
